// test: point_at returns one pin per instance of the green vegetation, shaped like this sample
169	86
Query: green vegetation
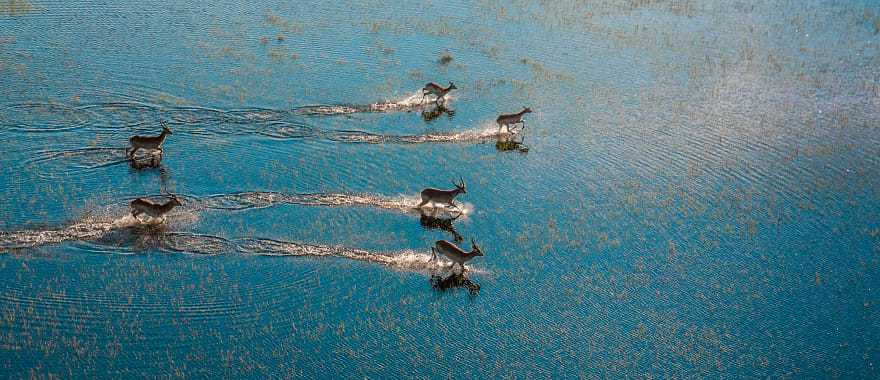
445	58
15	7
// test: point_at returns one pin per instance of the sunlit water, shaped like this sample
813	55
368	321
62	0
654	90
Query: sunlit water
696	194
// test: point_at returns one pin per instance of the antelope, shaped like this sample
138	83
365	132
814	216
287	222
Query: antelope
454	253
149	142
447	197
152	209
513	118
436	90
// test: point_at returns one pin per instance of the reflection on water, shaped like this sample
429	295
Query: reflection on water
511	143
146	159
434	111
432	221
454	280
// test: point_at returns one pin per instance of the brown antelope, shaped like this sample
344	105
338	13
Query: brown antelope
152	209
511	119
149	142
436	90
454	253
446	197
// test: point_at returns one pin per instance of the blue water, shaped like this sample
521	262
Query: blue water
695	195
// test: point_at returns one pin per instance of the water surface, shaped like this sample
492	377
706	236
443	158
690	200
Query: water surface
695	195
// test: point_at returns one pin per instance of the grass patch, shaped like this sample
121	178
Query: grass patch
15	7
445	58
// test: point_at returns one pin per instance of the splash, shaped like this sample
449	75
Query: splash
471	135
404	103
130	233
88	229
408	260
93	228
262	199
122	119
411	101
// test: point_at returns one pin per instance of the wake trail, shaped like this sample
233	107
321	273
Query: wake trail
262	199
89	229
408	260
404	103
201	244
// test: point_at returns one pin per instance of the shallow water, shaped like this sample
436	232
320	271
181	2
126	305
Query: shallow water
695	195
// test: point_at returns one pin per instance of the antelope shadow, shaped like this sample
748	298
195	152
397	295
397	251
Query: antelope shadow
511	143
146	159
430	221
433	112
454	281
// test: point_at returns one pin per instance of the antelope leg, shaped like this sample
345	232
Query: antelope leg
424	202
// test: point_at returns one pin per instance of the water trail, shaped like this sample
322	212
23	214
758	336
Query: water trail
42	117
126	232
404	103
408	260
84	230
95	227
75	160
115	217
195	243
123	119
261	199
471	135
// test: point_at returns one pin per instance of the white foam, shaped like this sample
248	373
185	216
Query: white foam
412	100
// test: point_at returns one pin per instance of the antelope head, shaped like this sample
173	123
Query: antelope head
475	250
165	128
460	186
175	200
451	86
527	110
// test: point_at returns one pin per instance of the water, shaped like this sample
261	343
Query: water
695	195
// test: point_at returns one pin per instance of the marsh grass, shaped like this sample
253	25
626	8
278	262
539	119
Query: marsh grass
445	58
15	7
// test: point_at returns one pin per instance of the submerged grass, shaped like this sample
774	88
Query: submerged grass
15	7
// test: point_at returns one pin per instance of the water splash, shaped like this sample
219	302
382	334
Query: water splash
131	233
405	103
408	260
87	229
469	135
94	227
262	199
122	119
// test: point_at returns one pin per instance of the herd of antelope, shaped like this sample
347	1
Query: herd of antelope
431	197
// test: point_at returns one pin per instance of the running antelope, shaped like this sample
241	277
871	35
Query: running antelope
454	253
152	209
511	119
436	90
149	142
446	197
